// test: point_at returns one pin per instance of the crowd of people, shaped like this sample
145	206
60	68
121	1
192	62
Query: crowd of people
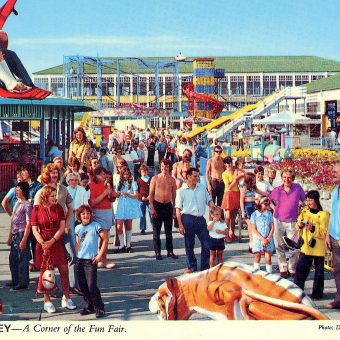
68	213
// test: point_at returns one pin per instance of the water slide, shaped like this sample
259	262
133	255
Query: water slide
221	120
216	105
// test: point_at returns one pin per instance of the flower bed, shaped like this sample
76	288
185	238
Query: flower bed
311	169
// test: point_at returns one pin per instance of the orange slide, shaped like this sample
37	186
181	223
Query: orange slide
193	97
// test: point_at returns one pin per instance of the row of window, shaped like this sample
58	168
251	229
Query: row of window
167	85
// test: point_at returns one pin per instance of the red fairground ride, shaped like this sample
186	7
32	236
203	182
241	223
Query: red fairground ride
211	107
35	92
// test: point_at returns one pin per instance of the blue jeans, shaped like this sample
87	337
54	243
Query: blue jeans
196	226
18	261
87	278
145	206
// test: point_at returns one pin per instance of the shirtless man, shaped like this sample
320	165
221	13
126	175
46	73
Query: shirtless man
179	170
215	168
162	199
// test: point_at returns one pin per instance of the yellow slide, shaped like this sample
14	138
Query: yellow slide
221	120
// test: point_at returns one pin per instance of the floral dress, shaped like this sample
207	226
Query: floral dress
128	208
262	221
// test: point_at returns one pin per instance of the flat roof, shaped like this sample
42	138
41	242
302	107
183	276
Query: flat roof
70	104
325	84
231	64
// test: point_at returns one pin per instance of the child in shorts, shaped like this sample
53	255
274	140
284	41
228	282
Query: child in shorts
88	234
217	231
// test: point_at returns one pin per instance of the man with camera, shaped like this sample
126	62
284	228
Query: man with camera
286	199
333	236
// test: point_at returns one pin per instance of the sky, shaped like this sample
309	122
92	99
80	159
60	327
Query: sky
47	30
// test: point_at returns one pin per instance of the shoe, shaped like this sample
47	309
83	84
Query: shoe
75	291
87	311
317	296
284	275
48	307
100	313
333	305
142	231
128	249
119	250
188	271
110	265
227	239
19	287
67	303
173	256
159	256
233	237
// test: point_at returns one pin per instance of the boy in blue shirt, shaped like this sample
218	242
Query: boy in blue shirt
88	256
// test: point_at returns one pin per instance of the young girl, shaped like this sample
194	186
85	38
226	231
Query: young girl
247	202
128	208
217	232
262	224
20	229
88	234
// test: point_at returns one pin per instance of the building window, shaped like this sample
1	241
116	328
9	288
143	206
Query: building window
301	79
313	107
269	84
41	82
317	76
253	85
285	80
57	86
221	86
236	85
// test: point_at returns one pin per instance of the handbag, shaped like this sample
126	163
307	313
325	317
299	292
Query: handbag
46	282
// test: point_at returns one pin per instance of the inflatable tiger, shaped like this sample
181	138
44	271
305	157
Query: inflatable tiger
233	291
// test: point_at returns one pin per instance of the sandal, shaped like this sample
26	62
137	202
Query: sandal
21	88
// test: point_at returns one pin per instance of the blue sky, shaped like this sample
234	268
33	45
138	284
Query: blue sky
46	30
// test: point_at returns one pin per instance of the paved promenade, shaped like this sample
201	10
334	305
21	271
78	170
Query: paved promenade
126	290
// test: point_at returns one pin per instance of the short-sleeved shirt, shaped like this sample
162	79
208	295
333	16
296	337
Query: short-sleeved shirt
77	149
217	226
21	215
287	203
192	201
88	236
12	197
264	186
227	178
35	186
334	225
96	189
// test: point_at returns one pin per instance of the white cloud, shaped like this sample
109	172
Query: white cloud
163	42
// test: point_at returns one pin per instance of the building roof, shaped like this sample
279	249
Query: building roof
325	84
250	64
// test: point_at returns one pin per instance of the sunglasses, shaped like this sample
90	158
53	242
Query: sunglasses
218	151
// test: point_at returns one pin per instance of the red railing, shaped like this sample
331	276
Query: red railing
8	172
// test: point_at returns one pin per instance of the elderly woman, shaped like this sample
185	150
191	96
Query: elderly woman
50	175
79	147
48	225
79	197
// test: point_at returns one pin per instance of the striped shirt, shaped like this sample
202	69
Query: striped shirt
21	214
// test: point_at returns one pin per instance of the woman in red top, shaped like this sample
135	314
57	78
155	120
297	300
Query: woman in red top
101	198
48	225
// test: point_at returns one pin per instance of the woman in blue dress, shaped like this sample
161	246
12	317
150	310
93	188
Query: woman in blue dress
128	208
262	225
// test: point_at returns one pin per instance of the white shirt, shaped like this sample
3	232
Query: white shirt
217	226
192	201
263	186
136	155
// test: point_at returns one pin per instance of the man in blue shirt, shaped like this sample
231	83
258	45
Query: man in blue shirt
191	201
333	236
